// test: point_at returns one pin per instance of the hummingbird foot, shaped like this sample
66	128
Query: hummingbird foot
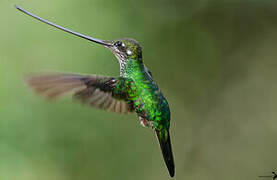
144	122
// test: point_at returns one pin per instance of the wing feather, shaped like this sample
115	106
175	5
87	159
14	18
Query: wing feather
94	90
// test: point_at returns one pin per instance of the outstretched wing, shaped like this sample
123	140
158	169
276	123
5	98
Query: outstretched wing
98	91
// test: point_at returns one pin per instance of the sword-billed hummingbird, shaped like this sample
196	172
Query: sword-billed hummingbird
133	91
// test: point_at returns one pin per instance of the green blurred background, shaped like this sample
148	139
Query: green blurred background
214	60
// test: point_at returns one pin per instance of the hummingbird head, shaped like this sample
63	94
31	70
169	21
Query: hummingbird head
125	49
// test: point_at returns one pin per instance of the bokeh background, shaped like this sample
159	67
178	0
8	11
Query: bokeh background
215	61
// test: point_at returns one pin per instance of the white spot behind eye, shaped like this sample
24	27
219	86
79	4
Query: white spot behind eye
129	52
123	45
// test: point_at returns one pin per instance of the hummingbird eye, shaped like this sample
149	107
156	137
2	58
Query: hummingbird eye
118	43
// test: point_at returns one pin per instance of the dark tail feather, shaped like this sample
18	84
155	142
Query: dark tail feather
165	144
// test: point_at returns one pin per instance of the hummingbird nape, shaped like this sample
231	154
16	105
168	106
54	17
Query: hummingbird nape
133	91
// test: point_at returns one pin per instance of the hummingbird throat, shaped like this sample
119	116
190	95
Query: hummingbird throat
131	68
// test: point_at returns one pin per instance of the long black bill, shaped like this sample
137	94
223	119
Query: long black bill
64	29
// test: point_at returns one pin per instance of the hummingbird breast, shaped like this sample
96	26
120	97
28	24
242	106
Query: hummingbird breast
148	101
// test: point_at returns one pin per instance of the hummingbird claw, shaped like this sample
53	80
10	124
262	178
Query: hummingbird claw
144	122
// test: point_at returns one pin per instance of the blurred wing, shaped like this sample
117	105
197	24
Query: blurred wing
94	90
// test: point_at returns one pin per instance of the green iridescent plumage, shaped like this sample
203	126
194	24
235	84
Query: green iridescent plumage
147	99
134	90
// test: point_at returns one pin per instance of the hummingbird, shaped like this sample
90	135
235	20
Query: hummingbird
133	91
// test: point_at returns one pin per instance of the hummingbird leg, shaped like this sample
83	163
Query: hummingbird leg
144	122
